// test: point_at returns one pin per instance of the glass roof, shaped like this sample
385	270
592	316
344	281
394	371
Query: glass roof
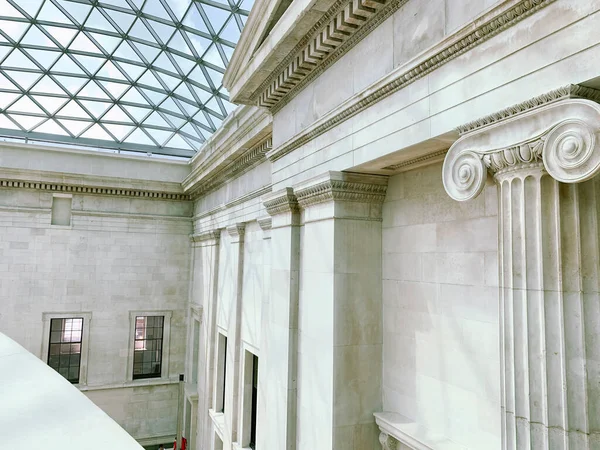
133	75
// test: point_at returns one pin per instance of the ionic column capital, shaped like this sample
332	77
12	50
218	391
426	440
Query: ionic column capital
558	132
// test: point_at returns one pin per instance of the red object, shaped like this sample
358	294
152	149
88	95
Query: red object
183	444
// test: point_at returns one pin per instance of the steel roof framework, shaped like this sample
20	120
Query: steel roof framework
135	75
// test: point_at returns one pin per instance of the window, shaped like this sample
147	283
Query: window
249	399
221	373
64	346
254	400
64	352
147	348
61	209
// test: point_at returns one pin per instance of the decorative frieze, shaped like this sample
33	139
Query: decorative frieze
341	190
283	201
91	190
401	79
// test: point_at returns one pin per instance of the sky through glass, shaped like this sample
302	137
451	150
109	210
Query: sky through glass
135	75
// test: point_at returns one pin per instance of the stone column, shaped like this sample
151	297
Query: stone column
279	339
340	321
204	279
542	154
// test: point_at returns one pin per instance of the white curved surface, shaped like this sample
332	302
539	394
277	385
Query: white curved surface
42	410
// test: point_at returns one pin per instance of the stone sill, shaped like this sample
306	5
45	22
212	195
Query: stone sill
127	384
412	434
218	419
237	446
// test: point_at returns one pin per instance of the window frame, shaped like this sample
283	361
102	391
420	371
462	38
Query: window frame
164	369
85	338
245	431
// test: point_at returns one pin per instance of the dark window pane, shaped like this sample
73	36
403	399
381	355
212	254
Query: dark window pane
55	324
74	374
54	349
147	356
65	349
64	352
55	337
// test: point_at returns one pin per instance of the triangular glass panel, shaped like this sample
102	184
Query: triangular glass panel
139	137
118	131
178	43
139	31
156	120
202	94
134	96
228	51
62	35
115	89
35	37
83	43
8	10
133	71
190	110
216	16
149	79
186	65
178	142
92	90
213	105
122	20
155	97
247	5
5	123
163	31
216	121
170	81
198	76
25	105
179	8
13	29
44	57
149	52
121	3
126	52
109	70
138	113
154	8
47	86
3	52
72	84
165	64
216	77
189	129
96	132
116	114
23	79
6	99
66	65
194	20
89	62
176	121
108	43
73	110
199	43
51	127
50	13
95	108
229	107
212	56
97	21
231	31
160	136
18	60
31	7
27	122
77	11
169	105
75	127
50	104
5	83
183	91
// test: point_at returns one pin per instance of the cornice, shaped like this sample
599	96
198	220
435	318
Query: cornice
453	47
212	235
91	190
237	231
280	202
338	190
563	92
421	160
246	161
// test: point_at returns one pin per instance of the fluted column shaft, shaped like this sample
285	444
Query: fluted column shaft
544	156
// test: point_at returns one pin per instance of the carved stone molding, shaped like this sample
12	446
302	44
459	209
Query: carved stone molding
280	202
416	162
91	190
399	80
387	442
213	235
233	169
265	223
337	186
563	135
237	232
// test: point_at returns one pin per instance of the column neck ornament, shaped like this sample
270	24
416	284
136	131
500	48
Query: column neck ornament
387	442
213	235
237	232
558	132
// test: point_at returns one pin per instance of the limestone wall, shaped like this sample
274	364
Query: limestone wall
119	254
440	308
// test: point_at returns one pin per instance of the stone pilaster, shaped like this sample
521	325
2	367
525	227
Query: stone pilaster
541	158
340	321
279	339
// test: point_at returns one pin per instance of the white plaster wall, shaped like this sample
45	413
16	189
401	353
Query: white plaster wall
440	309
120	254
557	45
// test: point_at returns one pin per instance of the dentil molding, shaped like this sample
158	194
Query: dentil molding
280	202
562	134
341	190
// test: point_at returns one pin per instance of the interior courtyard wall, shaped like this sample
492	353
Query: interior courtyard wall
510	67
441	367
